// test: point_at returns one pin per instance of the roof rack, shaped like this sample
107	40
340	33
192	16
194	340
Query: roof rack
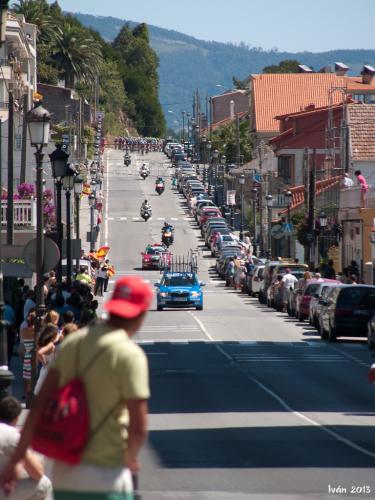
181	264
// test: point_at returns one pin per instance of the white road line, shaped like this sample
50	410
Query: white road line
123	218
174	218
110	218
201	325
312	422
136	218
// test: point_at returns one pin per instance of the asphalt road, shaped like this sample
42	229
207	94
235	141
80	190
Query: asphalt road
246	402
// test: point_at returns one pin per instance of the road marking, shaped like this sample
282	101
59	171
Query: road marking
110	218
174	218
123	218
136	218
160	218
203	328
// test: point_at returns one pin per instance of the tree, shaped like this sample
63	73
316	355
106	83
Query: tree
240	84
78	56
225	141
38	12
285	66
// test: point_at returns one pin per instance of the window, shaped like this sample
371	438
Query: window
284	168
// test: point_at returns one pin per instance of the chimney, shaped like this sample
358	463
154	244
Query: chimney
341	69
302	68
368	74
326	69
231	109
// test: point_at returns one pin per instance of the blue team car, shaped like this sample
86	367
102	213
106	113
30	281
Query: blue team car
179	289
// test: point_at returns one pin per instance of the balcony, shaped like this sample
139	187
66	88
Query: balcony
353	198
24	214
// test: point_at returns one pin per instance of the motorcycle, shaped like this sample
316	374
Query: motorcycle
159	188
144	174
167	237
146	214
127	161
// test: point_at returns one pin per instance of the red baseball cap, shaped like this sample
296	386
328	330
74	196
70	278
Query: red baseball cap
131	297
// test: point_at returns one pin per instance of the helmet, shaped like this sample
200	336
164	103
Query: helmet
145	202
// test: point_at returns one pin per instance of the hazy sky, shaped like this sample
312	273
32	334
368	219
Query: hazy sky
293	25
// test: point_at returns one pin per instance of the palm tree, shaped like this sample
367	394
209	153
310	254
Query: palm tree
38	12
77	54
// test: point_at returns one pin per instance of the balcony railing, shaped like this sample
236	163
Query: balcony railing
24	213
354	198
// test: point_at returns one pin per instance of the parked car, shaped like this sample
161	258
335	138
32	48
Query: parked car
347	312
320	293
255	280
303	298
208	213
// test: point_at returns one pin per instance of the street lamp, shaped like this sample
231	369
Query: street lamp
289	196
255	195
59	161
215	157
183	125
269	201
68	185
78	188
92	202
241	180
38	120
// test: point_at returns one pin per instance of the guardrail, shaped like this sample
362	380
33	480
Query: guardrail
354	198
24	213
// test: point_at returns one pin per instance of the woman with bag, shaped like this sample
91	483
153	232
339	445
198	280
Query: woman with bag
94	457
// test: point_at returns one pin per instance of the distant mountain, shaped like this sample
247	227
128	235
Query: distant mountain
187	63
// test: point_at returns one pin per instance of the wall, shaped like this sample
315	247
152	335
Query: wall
221	105
60	103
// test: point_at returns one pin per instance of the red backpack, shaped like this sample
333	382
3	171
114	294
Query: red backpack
63	428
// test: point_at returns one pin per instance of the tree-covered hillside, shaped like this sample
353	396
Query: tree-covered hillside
187	63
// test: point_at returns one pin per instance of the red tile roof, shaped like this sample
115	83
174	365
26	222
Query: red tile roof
280	94
225	121
361	119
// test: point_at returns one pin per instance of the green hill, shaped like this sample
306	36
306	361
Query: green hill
187	63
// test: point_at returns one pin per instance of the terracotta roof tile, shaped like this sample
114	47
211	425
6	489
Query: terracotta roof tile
361	119
281	94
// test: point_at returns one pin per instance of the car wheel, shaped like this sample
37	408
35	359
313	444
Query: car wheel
159	308
370	337
332	336
199	308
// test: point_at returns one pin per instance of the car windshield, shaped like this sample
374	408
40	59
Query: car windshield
154	250
179	280
294	269
312	289
227	238
357	297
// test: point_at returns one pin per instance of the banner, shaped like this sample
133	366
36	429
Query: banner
231	198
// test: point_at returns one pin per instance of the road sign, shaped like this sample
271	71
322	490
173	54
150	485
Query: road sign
277	232
231	198
51	255
288	227
257	177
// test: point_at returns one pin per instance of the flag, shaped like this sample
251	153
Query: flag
102	252
86	189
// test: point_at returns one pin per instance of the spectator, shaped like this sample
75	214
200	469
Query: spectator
107	278
29	303
83	276
46	351
68	317
10	318
27	339
74	303
364	186
329	271
32	484
111	455
68	329
347	182
353	268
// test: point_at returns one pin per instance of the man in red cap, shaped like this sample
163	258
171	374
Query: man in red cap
117	390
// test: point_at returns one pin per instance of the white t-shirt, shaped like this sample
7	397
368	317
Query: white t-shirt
9	437
289	280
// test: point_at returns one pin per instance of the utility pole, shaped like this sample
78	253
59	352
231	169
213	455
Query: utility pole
10	211
25	107
261	232
311	206
238	143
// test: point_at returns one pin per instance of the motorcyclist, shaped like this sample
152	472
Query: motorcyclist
145	207
160	180
167	227
144	167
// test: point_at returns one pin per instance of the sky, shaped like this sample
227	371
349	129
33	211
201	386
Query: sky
291	25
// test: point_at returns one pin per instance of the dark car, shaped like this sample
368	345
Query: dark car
347	312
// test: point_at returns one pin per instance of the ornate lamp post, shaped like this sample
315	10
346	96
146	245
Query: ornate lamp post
241	180
269	200
215	158
38	120
289	195
255	195
323	221
59	162
68	185
78	187
183	125
92	202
